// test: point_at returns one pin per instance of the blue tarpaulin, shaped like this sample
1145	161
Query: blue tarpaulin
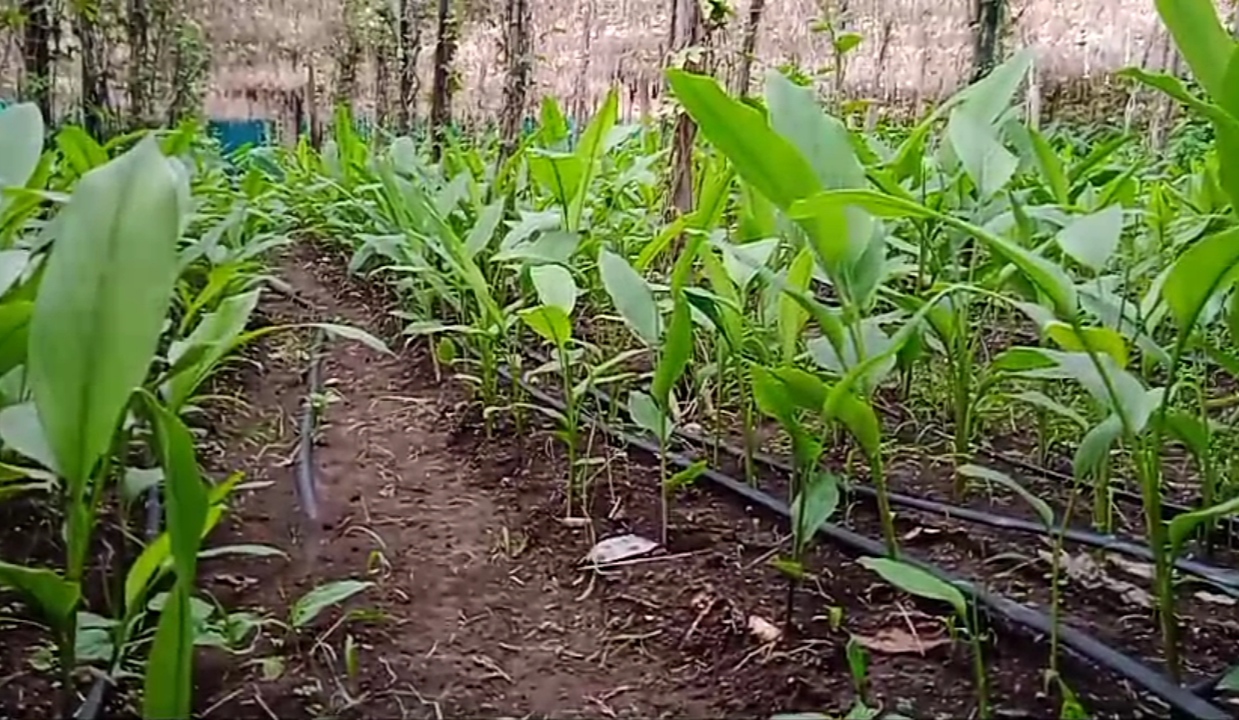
236	134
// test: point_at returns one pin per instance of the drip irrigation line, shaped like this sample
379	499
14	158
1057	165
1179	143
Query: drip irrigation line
1180	699
1169	509
1224	579
307	491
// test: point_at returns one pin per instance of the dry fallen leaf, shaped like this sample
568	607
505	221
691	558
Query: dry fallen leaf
620	547
899	641
1216	598
1083	569
763	629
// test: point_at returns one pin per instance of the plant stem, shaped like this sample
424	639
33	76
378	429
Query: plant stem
570	423
978	667
887	516
662	484
749	440
1103	507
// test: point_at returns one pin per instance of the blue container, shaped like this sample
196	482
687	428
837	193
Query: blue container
236	134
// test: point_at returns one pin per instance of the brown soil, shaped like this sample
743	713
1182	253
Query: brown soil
488	611
480	607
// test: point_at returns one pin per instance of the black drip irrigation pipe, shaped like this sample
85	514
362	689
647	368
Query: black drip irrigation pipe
1224	579
307	491
1181	700
1221	578
1169	509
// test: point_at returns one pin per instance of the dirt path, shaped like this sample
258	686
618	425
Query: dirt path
469	628
478	607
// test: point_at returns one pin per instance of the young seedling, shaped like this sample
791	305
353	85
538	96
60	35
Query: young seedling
813	495
552	321
916	581
673	348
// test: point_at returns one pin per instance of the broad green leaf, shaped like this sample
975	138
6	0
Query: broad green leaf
1051	168
102	302
676	353
1230	683
21	431
1182	526
555	286
1092	239
1191	430
826	144
990	475
156	558
12	264
560	173
631	296
589	154
549	321
554	127
53	595
187	500
858	416
741	264
168	682
772	395
803	388
483	230
987	162
1094	449
313	603
1047	276
916	581
1041	400
213	338
1200	36
169	677
990	97
79	150
822	140
138	480
1203	270
762	157
792	316
21	145
813	506
1097	339
647	415
1129	394
14	333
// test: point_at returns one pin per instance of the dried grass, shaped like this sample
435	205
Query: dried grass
914	50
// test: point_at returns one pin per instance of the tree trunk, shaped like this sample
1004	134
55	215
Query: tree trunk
349	57
37	55
441	91
988	27
580	104
749	46
189	70
137	30
686	31
96	105
412	14
518	48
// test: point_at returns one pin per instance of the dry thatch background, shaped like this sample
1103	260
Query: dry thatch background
913	51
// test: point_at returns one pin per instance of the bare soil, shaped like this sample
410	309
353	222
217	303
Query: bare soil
480	606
